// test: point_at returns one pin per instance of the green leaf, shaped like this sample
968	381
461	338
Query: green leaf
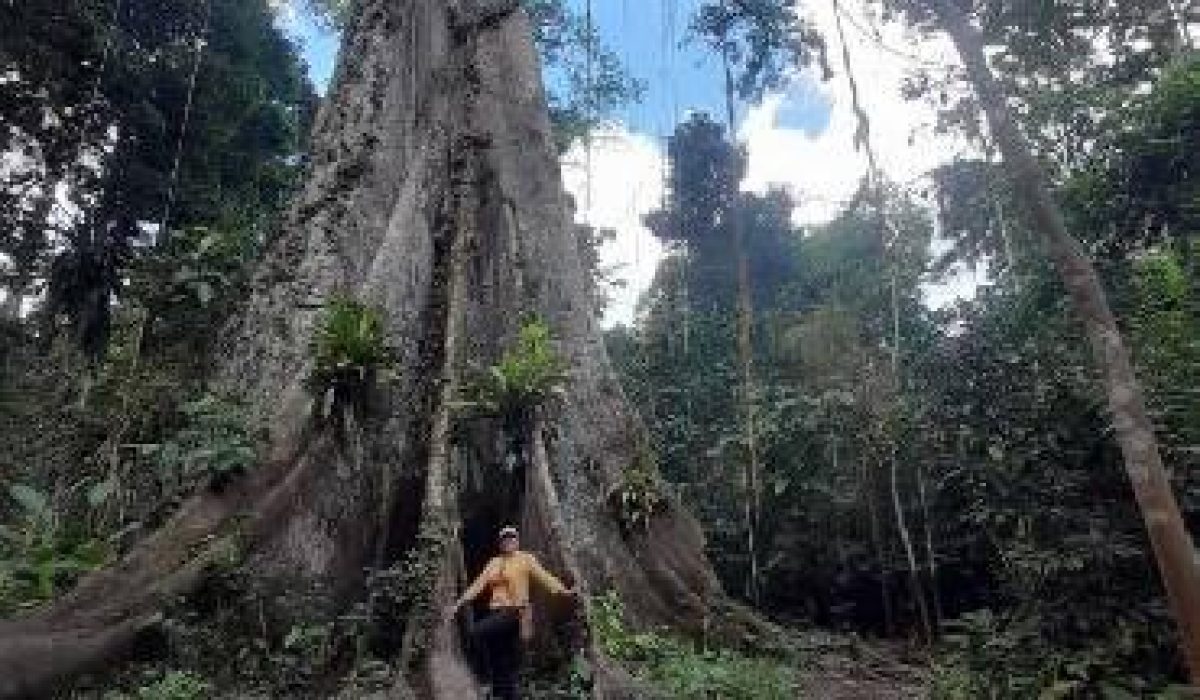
101	492
34	502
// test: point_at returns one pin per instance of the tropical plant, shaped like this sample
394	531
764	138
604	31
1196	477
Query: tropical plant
350	353
214	443
528	375
638	496
39	556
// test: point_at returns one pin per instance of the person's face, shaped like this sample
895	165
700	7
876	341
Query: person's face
508	544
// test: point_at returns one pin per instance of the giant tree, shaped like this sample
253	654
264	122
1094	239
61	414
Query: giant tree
434	194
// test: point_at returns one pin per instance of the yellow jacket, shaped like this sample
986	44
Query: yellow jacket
506	578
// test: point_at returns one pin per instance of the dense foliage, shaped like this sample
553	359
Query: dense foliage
1028	547
127	122
527	376
956	464
676	668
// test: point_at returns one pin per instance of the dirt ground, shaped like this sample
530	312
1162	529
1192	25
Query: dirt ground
848	669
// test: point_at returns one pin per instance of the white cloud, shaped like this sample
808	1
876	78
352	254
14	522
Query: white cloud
960	282
823	170
623	183
286	11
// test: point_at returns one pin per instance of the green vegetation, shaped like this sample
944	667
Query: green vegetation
1031	555
528	375
638	496
587	80
678	669
986	657
172	685
214	444
40	554
210	136
350	353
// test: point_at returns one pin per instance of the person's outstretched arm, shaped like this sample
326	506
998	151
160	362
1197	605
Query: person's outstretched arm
544	578
476	587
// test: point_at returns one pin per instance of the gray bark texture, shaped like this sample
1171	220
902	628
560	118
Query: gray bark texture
434	193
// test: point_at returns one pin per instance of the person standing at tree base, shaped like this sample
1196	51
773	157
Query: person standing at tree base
508	623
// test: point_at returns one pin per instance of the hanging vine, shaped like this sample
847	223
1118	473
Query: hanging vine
201	41
890	237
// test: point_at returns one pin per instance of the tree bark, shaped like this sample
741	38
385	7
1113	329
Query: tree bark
867	479
434	193
745	348
1171	542
914	576
930	551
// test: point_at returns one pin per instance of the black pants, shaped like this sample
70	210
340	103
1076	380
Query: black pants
497	636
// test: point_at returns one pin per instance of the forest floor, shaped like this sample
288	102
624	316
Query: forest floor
843	668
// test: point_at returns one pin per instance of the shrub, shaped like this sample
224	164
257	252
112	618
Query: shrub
985	655
678	669
349	352
38	557
214	443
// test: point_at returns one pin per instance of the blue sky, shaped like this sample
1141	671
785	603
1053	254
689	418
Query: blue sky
318	45
801	138
652	40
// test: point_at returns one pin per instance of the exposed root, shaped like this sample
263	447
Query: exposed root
102	616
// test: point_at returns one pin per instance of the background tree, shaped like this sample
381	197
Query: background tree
135	144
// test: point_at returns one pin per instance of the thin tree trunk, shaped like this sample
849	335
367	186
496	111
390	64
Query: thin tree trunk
1006	238
885	594
910	555
746	358
837	535
745	321
930	551
1172	544
185	123
888	238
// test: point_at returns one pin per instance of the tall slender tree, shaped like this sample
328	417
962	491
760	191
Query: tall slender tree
1172	544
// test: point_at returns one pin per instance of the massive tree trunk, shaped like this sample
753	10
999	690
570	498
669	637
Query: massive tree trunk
434	193
1172	544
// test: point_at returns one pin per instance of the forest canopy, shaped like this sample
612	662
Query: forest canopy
264	352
